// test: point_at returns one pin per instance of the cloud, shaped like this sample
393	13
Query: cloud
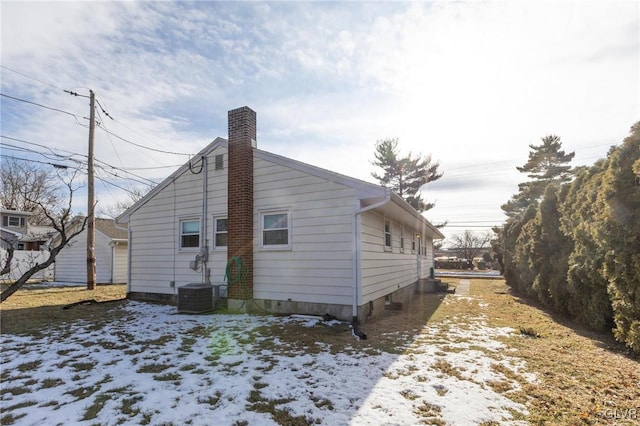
469	82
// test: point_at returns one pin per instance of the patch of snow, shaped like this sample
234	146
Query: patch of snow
175	368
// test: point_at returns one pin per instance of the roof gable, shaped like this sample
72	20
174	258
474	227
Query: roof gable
124	217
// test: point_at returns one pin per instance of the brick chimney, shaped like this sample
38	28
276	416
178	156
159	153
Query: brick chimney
242	137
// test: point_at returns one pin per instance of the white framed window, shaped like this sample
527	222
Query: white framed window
189	233
413	241
275	227
387	234
220	232
15	221
401	239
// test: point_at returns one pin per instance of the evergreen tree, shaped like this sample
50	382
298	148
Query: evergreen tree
588	299
405	175
511	258
552	252
547	163
617	233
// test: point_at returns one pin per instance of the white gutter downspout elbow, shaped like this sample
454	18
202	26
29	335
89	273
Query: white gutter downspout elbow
357	258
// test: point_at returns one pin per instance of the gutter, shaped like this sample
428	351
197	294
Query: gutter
357	250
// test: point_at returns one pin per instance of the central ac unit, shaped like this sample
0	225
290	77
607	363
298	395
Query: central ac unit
196	298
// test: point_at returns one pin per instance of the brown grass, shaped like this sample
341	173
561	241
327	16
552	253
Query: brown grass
583	377
33	308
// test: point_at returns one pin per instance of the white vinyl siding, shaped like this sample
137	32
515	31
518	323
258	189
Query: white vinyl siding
318	265
383	272
120	264
156	259
71	262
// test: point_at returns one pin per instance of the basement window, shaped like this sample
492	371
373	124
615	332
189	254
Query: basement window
220	233
189	233
276	227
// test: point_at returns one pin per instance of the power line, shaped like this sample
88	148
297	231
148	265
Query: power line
57	166
113	184
123	169
151	168
42	146
142	146
128	178
111	140
103	110
32	78
58	157
40	105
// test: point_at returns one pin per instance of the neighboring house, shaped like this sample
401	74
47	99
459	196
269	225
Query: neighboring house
17	232
110	252
308	240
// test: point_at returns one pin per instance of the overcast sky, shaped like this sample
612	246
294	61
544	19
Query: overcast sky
471	83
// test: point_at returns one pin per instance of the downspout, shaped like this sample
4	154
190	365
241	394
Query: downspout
204	247
357	260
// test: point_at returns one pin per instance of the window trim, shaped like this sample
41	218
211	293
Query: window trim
180	235
413	242
20	219
215	232
388	247
262	215
401	238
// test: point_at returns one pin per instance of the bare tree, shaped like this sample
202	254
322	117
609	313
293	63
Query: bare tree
470	244
23	186
60	219
135	194
10	244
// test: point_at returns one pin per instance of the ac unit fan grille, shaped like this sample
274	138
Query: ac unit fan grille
195	298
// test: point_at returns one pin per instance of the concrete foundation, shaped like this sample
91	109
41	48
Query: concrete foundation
396	300
165	299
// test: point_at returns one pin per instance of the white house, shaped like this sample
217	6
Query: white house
110	253
18	233
294	238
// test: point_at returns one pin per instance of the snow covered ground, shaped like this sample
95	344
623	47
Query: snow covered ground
154	366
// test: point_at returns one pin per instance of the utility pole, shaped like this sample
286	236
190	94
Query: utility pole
91	232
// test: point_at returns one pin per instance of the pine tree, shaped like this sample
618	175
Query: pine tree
547	163
617	234
588	299
405	175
